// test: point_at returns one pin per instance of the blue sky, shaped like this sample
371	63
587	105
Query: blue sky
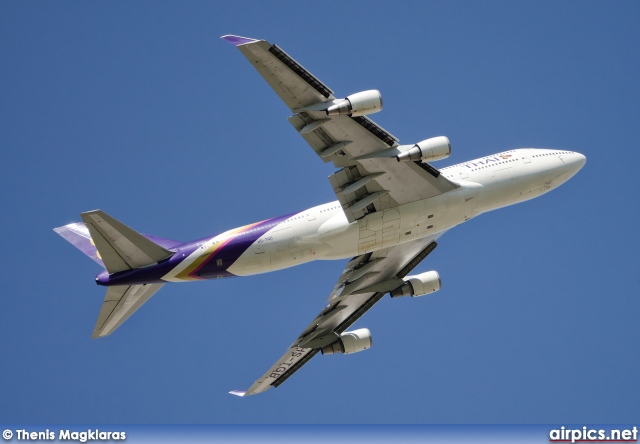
139	109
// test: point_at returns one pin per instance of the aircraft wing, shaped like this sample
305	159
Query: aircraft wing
370	179
363	282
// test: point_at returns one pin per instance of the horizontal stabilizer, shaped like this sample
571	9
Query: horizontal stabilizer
120	303
78	235
120	247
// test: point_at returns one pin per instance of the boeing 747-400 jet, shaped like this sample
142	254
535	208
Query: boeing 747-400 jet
392	207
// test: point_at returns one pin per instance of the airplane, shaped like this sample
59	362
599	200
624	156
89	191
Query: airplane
392	207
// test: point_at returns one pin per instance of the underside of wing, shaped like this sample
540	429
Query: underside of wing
296	86
364	281
371	178
286	366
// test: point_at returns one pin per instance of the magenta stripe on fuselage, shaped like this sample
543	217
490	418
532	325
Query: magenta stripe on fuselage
229	253
233	248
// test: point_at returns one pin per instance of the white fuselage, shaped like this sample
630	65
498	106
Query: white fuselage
488	183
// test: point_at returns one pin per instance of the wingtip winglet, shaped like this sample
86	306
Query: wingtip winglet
237	40
238	392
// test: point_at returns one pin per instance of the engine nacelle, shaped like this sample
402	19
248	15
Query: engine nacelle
435	148
350	342
359	104
419	285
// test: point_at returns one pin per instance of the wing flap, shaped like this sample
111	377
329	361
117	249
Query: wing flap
296	86
363	135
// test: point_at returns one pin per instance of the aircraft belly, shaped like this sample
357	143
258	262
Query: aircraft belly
248	265
418	219
297	241
339	238
295	255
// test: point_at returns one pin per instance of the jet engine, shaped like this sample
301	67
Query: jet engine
350	342
359	104
435	148
418	285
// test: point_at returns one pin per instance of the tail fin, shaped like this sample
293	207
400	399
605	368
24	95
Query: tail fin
78	235
120	247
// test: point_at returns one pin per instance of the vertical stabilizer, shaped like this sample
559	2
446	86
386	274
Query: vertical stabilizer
78	235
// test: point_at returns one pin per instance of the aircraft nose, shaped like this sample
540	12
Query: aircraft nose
573	162
577	161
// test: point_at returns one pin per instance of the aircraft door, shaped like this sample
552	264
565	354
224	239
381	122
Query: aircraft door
525	159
